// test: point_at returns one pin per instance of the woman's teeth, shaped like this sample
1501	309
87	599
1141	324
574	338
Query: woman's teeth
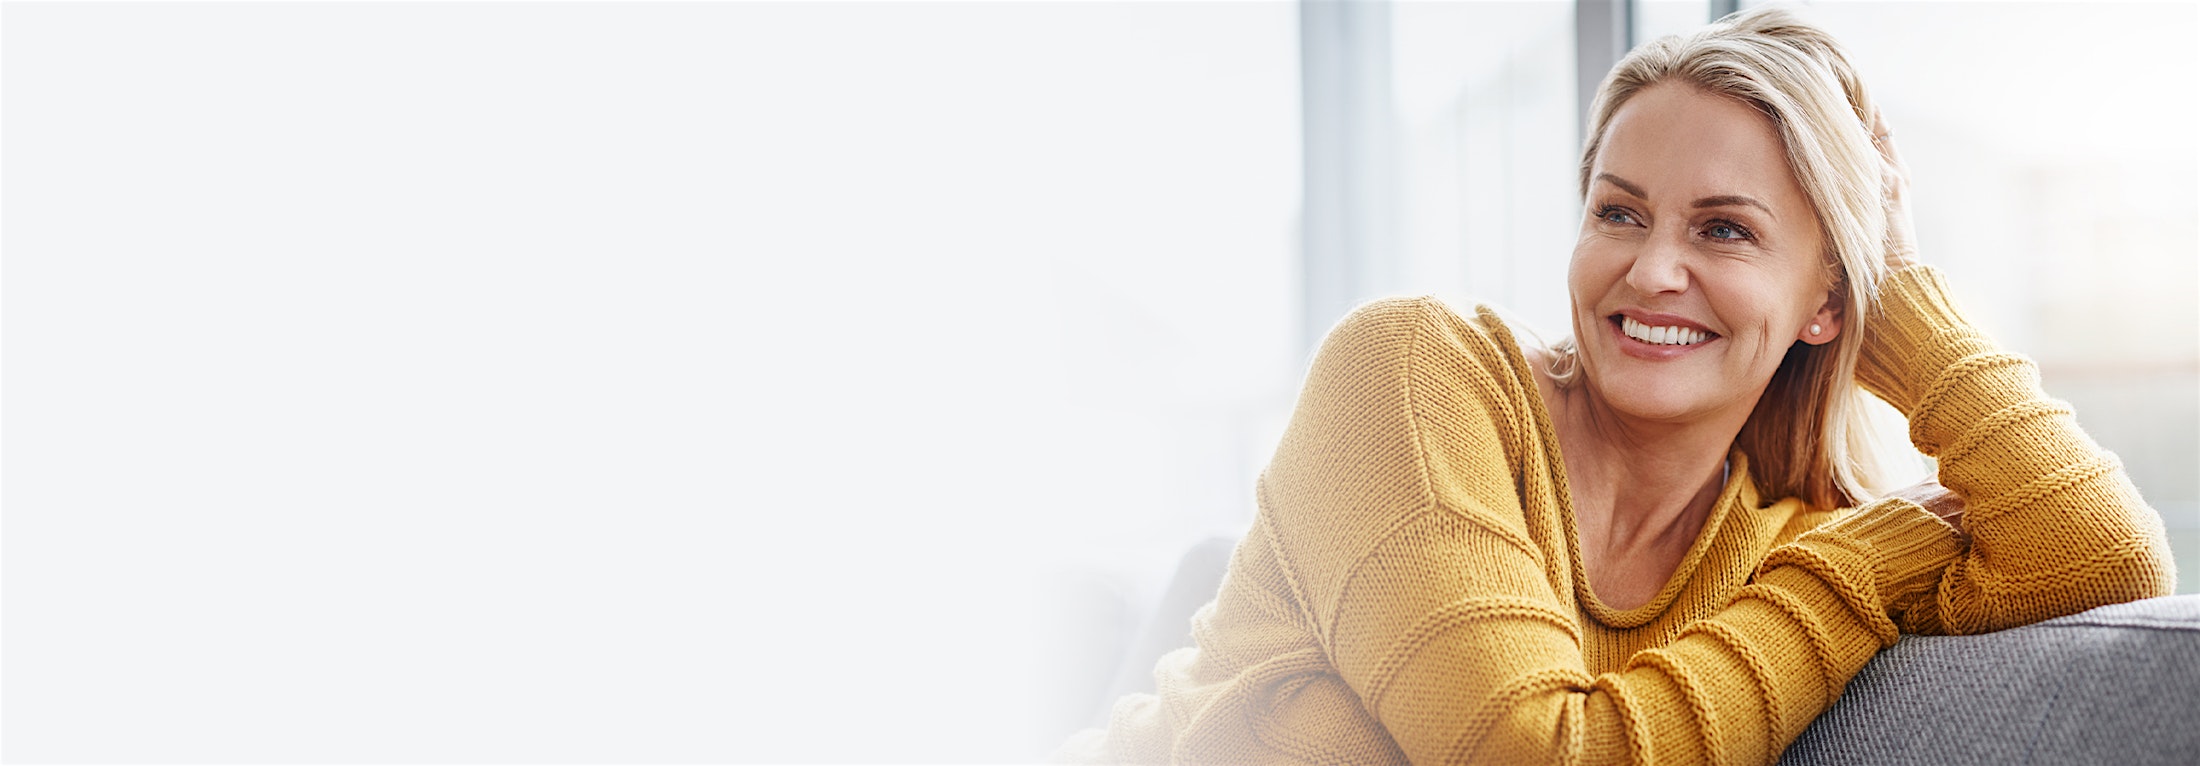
1664	336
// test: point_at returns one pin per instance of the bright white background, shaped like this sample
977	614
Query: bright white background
775	382
558	383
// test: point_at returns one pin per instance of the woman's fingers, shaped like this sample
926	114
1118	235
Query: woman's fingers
1883	140
1883	137
1901	243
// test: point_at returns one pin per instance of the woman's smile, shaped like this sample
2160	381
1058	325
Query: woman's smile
1658	337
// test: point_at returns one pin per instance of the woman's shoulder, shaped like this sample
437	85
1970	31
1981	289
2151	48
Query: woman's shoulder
1426	331
1442	401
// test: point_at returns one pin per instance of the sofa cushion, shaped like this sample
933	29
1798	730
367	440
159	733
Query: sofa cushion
2118	684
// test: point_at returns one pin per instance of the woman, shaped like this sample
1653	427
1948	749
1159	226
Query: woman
1651	543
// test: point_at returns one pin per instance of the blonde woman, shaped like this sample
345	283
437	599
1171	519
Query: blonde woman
1655	542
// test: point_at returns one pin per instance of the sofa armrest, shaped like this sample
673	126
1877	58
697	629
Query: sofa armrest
2111	685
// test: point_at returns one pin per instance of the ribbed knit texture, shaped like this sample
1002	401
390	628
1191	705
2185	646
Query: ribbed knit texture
1410	590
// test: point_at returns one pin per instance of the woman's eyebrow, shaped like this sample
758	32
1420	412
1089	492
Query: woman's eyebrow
1733	199
1722	200
1622	183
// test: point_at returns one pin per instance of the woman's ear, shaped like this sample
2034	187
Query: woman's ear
1823	326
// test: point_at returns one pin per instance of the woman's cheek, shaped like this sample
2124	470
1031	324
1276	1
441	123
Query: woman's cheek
1596	271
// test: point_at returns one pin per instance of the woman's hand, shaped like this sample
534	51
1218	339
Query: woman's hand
1938	499
1901	243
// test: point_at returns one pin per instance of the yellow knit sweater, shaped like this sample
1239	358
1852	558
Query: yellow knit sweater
1410	589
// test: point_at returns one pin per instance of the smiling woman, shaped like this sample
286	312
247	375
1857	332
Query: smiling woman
1653	543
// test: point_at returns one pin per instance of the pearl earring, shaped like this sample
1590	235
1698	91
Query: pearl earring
1814	330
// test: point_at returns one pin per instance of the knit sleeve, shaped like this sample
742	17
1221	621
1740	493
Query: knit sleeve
1436	593
2055	525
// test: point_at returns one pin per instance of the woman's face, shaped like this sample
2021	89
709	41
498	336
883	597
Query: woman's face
1700	260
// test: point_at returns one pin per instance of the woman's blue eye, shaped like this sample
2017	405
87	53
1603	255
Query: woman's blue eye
1726	231
1615	215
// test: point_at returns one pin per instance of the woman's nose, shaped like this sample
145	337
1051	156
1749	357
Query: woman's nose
1660	267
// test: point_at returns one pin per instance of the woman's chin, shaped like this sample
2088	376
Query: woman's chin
1659	401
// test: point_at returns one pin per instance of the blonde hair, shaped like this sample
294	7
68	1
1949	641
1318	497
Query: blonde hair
1810	435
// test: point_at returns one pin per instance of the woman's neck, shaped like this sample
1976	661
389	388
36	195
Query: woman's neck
1637	485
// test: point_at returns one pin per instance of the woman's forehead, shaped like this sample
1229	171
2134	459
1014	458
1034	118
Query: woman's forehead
1676	140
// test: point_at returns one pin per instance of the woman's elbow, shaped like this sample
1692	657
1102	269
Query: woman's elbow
2152	571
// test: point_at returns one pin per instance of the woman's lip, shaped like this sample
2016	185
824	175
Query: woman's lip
1651	351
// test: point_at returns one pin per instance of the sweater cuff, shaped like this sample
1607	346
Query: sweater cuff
1911	546
1914	332
1875	559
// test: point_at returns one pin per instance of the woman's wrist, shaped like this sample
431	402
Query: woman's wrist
1915	332
1937	500
1909	545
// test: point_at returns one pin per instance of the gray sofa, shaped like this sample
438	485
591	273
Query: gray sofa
2115	685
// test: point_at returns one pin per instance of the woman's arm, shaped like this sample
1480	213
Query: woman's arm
1405	514
2055	526
1496	674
